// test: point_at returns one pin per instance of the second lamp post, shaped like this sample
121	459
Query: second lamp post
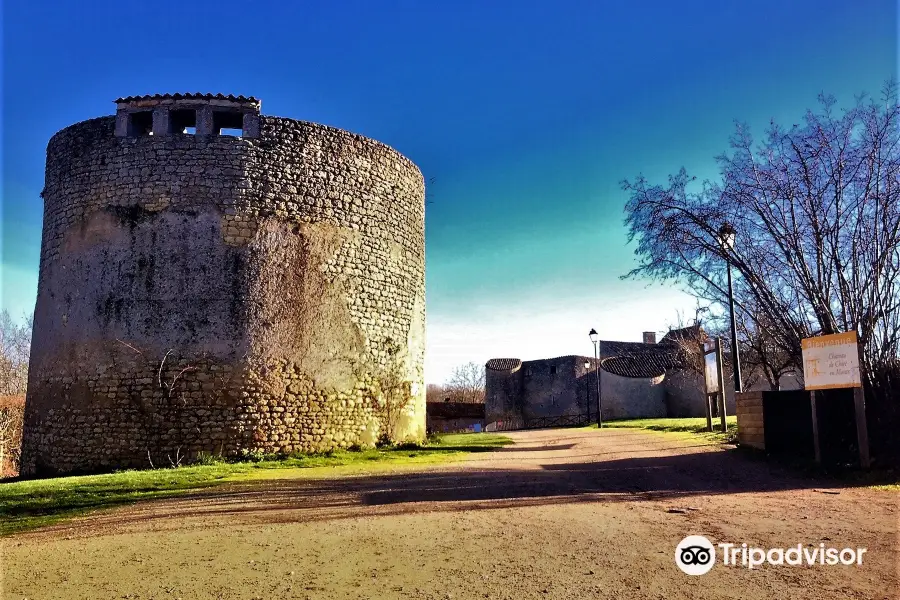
594	338
726	236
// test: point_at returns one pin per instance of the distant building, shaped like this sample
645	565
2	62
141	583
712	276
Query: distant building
636	380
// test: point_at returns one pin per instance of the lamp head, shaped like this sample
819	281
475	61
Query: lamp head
593	335
727	234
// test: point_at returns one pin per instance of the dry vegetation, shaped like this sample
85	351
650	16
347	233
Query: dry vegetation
12	410
15	342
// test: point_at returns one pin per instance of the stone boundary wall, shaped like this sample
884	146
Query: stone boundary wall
456	410
447	425
215	294
447	417
749	410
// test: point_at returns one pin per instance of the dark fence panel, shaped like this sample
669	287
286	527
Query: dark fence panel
883	412
787	423
455	410
836	416
542	422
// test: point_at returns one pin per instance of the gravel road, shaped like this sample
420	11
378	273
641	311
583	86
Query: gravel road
562	514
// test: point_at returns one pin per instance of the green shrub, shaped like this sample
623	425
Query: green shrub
208	458
248	455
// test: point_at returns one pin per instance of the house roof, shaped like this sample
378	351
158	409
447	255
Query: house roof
642	365
626	359
503	364
564	357
694	332
637	359
188	96
610	348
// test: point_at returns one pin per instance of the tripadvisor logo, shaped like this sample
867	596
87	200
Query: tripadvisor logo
696	555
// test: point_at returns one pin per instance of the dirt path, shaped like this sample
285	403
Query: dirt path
563	514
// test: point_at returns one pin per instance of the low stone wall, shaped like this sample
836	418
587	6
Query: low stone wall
749	409
446	417
444	425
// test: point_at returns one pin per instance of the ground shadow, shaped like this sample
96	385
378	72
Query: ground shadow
533	479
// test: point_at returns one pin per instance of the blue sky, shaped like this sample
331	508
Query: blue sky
527	115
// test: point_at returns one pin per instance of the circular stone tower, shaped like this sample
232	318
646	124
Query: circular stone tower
213	280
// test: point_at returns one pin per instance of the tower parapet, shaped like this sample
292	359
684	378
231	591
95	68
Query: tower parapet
196	114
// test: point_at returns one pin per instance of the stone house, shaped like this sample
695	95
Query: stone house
636	380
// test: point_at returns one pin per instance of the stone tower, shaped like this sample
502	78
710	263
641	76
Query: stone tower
214	280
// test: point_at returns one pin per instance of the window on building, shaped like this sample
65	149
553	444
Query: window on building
183	121
553	370
228	123
140	123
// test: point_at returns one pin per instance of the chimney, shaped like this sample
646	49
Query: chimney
649	337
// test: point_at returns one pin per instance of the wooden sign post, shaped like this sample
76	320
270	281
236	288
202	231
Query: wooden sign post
714	376
721	376
829	362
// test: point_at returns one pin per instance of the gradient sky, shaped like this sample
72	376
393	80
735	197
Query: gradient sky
527	115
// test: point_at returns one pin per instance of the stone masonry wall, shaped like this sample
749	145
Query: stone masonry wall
223	295
749	410
632	397
557	386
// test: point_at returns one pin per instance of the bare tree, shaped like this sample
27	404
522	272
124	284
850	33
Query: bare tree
761	356
15	344
466	384
689	337
435	392
12	412
816	208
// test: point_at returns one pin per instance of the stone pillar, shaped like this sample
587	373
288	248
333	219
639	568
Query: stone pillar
121	123
205	121
250	125
161	120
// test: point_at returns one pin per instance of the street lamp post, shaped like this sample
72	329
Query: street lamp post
587	388
727	236
594	339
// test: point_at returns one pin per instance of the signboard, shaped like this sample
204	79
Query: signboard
711	369
831	361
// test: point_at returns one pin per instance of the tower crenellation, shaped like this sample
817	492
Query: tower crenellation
178	114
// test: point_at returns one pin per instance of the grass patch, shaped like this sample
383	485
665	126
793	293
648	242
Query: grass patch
689	427
885	478
39	502
888	487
